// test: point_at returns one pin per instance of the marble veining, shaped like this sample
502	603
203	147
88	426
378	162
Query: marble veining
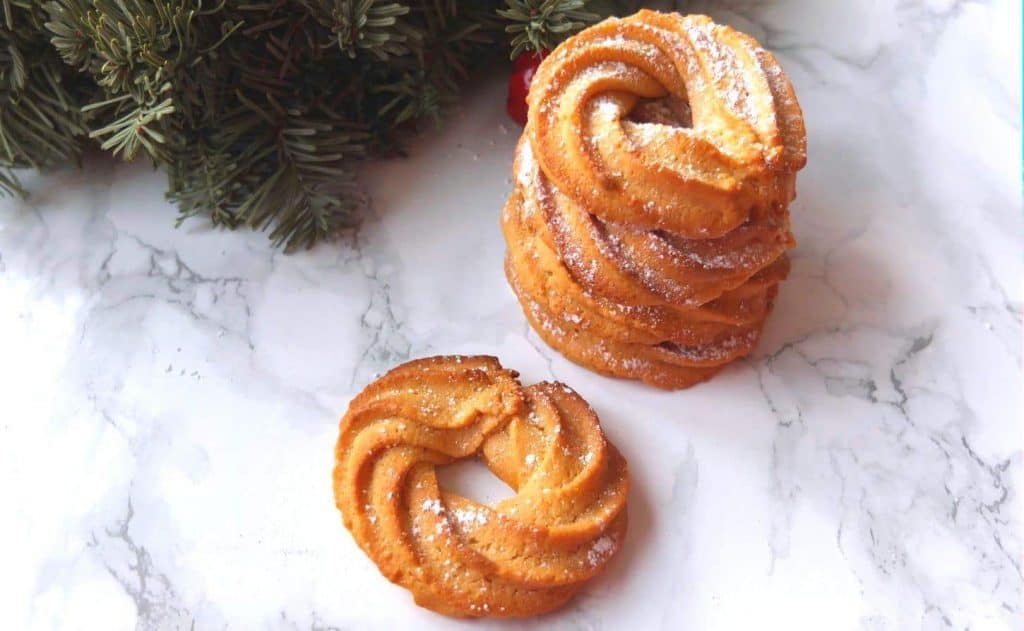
171	396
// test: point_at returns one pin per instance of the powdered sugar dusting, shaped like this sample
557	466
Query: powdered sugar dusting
600	550
470	516
526	166
432	505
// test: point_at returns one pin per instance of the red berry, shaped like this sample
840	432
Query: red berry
529	59
519	84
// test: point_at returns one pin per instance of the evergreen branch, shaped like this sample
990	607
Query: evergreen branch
541	24
258	110
40	123
368	25
135	130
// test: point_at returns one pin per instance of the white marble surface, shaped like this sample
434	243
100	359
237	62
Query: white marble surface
170	397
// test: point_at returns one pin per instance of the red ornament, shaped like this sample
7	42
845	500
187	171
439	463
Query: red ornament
523	69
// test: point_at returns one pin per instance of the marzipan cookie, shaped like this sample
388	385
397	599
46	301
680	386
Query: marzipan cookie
526	554
648	225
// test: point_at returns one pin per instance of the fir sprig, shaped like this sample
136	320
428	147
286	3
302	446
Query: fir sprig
41	121
368	25
256	109
542	24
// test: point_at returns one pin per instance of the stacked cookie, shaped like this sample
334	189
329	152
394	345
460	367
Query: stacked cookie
648	225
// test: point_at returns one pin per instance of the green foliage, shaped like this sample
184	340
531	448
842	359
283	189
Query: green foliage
256	109
41	122
542	24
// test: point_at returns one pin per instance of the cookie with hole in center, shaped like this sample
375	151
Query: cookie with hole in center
524	555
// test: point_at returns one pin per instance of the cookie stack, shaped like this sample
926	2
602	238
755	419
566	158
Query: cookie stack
648	225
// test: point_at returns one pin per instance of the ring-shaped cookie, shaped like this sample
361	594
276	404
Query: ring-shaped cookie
524	555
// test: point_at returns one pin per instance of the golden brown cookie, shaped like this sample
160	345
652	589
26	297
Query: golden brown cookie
648	225
526	554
